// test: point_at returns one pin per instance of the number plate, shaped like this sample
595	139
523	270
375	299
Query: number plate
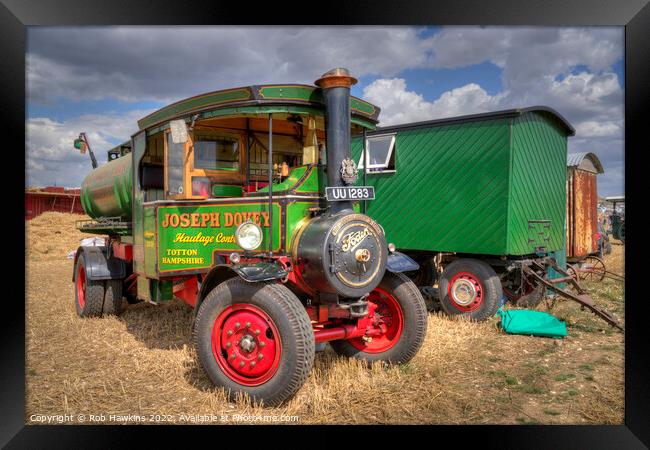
349	193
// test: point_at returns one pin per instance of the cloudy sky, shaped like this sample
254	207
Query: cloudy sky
101	80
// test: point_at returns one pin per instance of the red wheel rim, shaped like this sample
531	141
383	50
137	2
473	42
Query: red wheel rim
465	291
81	286
386	317
246	344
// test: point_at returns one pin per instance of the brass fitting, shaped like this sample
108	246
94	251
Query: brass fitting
362	255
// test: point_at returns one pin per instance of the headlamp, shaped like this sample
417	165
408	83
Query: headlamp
248	235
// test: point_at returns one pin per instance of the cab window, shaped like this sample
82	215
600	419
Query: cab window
212	152
175	156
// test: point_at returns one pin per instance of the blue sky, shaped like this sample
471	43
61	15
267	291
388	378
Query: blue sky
101	80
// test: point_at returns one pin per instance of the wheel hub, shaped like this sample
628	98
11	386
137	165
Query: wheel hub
246	344
464	292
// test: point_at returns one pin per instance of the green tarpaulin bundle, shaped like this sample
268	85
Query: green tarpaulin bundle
531	323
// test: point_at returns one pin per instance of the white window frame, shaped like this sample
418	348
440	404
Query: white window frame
383	165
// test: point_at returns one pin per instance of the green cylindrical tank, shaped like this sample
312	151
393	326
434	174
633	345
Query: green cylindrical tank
106	191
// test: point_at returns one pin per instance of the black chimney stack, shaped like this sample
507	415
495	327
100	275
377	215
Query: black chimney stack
335	85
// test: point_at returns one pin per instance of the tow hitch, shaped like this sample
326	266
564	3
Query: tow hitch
581	296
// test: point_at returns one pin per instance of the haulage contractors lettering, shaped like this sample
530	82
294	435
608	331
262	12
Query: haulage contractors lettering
214	219
198	231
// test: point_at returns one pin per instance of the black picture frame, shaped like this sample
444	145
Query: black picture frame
634	15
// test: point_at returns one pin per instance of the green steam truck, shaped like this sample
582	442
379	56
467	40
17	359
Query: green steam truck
240	203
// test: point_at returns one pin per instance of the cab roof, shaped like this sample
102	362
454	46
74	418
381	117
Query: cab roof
271	98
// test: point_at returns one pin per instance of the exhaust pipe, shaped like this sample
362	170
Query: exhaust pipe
335	85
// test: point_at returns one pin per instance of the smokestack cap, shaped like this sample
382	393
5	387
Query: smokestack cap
339	77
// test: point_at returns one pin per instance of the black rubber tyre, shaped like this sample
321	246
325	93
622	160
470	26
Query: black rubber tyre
532	299
287	315
113	298
131	299
414	327
483	278
89	294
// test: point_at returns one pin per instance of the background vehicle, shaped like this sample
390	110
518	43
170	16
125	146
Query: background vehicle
474	199
604	245
238	202
617	218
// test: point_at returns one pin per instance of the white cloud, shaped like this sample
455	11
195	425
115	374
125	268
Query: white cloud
51	157
592	128
168	63
525	51
398	105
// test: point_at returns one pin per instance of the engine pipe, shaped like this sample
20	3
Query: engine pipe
270	185
346	331
335	85
364	150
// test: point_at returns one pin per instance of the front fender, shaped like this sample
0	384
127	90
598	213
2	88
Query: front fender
260	271
253	272
399	262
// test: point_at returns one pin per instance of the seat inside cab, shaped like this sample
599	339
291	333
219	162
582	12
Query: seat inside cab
228	157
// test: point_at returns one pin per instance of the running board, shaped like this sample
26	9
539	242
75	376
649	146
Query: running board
582	297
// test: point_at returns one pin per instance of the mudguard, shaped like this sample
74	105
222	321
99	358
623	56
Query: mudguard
260	271
98	266
399	262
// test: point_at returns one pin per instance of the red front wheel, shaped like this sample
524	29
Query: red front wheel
254	338
399	317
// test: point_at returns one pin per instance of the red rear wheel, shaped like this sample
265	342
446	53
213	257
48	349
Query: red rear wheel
81	286
89	294
387	317
398	317
470	287
465	291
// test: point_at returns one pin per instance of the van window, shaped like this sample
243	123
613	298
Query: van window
380	154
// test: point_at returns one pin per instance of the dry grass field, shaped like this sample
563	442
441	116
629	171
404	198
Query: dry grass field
141	368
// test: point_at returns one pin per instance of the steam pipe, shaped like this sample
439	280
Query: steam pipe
270	185
346	331
363	163
335	85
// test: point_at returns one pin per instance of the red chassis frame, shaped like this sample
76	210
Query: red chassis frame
327	320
